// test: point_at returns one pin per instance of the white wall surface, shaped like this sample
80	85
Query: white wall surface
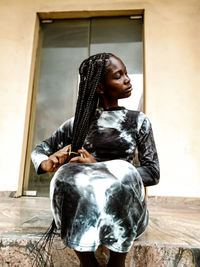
172	52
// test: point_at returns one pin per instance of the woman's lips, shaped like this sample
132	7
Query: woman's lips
129	89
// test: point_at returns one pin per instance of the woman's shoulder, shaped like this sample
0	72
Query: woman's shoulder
66	125
136	114
139	118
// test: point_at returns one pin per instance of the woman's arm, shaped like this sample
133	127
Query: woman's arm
56	160
147	153
49	156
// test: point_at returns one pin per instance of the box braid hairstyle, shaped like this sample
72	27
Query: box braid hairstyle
92	71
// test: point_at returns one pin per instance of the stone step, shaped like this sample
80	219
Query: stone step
171	239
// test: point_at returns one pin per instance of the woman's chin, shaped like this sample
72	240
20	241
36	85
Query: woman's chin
128	94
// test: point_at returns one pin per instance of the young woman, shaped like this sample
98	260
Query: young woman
97	195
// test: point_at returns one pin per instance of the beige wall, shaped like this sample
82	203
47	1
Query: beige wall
172	53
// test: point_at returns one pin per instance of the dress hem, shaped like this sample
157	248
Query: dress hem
92	248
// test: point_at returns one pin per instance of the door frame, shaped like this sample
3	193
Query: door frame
34	74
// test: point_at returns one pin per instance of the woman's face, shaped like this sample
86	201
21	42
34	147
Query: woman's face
116	83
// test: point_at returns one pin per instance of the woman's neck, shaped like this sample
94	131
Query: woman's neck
105	103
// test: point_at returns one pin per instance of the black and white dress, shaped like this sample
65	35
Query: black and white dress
103	202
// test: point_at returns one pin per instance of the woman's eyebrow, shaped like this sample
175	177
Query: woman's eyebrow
116	71
120	71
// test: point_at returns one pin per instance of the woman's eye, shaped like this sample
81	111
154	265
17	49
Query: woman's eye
117	76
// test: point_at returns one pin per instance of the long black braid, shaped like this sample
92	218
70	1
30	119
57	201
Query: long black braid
92	71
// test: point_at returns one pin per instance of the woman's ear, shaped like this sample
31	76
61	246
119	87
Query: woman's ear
100	89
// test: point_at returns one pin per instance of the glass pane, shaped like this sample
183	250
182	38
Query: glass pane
122	36
65	45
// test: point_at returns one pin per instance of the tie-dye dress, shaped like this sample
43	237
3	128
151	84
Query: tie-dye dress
103	202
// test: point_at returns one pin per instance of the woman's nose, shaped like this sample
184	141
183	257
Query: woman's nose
127	79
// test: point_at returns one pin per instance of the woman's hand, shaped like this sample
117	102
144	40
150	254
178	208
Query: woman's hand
56	160
87	157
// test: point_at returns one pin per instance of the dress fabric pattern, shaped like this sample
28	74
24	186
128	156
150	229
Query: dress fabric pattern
103	202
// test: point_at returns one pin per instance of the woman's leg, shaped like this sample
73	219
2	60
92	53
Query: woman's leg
117	259
87	259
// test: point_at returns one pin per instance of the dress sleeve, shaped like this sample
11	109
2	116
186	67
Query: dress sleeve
147	153
59	139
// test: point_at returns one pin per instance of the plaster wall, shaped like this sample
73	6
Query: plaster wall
172	52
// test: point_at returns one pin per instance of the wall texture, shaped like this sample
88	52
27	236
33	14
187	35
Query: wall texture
172	52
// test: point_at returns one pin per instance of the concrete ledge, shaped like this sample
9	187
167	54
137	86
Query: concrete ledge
171	239
18	252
